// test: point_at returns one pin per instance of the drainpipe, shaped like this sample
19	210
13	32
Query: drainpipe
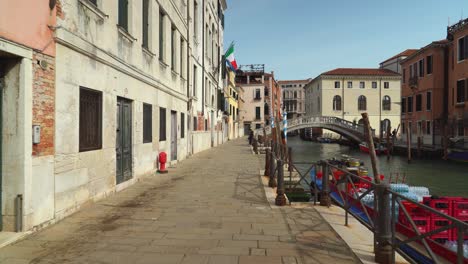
380	110
203	58
342	99
190	102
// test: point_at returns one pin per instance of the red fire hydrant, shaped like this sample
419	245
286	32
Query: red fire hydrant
162	162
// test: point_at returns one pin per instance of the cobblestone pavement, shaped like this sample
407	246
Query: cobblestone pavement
213	211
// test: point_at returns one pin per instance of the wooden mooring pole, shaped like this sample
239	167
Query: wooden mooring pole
408	142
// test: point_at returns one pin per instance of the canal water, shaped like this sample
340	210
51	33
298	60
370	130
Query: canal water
441	177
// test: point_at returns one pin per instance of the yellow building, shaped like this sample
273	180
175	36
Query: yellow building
231	96
347	93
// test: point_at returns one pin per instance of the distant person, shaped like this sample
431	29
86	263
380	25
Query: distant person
251	134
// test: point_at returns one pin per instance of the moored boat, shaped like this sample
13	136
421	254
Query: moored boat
379	148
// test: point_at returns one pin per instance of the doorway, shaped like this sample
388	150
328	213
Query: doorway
123	144
173	135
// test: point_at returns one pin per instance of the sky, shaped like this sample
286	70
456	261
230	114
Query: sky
299	39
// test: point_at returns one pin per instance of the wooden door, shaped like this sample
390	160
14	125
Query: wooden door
124	140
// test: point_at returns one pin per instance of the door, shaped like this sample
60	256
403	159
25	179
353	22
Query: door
2	79
124	140
173	135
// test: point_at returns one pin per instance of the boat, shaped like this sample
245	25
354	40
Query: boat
458	155
441	243
379	148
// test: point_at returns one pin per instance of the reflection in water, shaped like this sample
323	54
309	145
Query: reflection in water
441	177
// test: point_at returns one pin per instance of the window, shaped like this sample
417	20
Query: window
421	68
206	124
257	94
258	126
362	103
418	102
419	127
295	94
386	103
195	20
90	119
257	113
182	125
161	35
145	27
337	84
195	125
410	104
429	64
94	2
123	14
404	76
428	101
460	91
403	105
428	127
337	103
350	84
374	85
147	123
463	48
411	71
162	124
386	85
362	85
173	48
194	80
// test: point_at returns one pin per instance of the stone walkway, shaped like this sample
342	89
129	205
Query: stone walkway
213	211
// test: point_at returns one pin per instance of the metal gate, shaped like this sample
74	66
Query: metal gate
124	140
173	135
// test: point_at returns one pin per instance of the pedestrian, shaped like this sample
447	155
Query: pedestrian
251	134
283	138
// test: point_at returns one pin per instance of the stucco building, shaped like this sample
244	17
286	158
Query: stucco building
231	107
135	78
293	95
348	92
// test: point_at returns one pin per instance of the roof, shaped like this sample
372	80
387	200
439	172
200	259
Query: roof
405	53
434	44
361	71
293	81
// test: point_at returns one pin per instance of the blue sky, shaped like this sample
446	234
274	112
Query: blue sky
302	38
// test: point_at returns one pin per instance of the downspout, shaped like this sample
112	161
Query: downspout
189	102
342	99
380	110
203	58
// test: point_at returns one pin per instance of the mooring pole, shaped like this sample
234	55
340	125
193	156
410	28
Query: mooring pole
383	235
325	193
370	143
272	181
408	142
388	142
267	162
280	198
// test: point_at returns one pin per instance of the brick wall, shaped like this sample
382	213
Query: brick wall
44	103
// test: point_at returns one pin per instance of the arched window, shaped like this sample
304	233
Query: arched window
386	103
385	125
362	103
337	103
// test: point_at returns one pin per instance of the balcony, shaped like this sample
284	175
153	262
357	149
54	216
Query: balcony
413	82
257	98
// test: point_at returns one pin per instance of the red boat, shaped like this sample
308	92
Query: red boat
379	150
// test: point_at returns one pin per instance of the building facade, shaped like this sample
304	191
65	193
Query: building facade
394	63
231	103
422	91
136	78
293	94
347	93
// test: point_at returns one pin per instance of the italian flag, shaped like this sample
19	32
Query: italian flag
231	61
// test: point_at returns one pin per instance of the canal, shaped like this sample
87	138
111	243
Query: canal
441	177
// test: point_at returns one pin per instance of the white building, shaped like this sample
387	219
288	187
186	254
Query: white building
347	93
132	76
394	62
293	97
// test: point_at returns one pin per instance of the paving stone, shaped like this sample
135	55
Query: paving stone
228	251
257	252
259	259
255	237
223	260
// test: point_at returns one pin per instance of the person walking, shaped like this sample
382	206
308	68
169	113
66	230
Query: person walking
251	134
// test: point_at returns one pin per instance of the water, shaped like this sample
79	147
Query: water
441	177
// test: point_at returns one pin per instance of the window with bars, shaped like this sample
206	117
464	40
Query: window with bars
173	48
460	91
123	14
182	125
90	131
162	15
145	27
147	123
162	124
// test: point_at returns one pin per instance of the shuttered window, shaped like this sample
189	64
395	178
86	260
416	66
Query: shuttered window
257	113
147	123
90	120
162	124
161	35
173	48
195	125
145	27
123	14
182	125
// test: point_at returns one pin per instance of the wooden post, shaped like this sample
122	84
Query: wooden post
370	143
408	142
388	142
419	146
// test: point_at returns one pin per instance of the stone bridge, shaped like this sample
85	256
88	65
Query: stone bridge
349	130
